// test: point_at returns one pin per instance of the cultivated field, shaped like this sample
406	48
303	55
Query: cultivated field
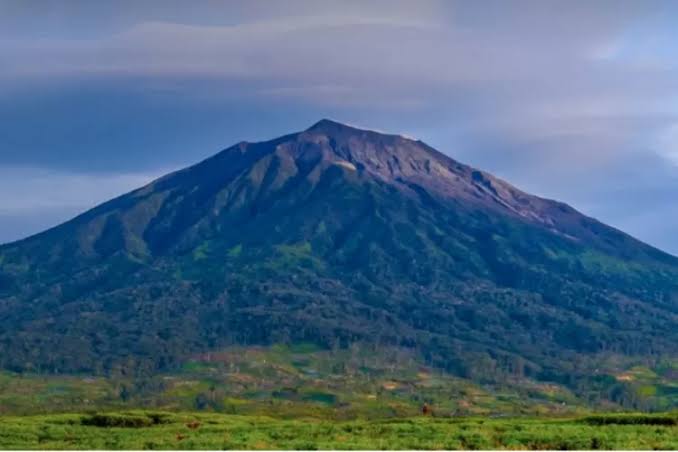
160	430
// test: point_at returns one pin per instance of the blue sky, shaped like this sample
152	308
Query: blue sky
573	100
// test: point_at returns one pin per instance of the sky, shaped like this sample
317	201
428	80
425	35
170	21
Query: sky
572	100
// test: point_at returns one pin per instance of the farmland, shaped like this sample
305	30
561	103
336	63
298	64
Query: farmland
162	430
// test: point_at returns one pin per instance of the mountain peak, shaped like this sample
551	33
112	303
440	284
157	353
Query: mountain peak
326	124
332	127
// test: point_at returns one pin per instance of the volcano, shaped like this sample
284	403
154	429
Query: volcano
335	235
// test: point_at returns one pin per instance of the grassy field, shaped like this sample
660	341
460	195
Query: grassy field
159	430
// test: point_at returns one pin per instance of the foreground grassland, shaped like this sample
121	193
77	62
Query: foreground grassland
159	430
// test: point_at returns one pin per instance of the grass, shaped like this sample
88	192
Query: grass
300	253
235	251
159	430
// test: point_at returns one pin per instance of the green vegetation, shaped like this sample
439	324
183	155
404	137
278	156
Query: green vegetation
632	419
235	251
361	382
162	430
200	252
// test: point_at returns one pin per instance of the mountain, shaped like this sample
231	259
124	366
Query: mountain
336	235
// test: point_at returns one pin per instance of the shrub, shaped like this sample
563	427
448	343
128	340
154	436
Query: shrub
121	420
631	419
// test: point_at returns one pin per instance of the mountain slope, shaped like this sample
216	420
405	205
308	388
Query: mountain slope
335	235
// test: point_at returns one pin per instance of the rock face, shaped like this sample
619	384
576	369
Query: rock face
334	235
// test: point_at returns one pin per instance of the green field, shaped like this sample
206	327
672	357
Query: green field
160	430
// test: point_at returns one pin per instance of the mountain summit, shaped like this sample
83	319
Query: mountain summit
335	235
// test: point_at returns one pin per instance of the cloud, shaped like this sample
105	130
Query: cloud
666	144
436	41
25	188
